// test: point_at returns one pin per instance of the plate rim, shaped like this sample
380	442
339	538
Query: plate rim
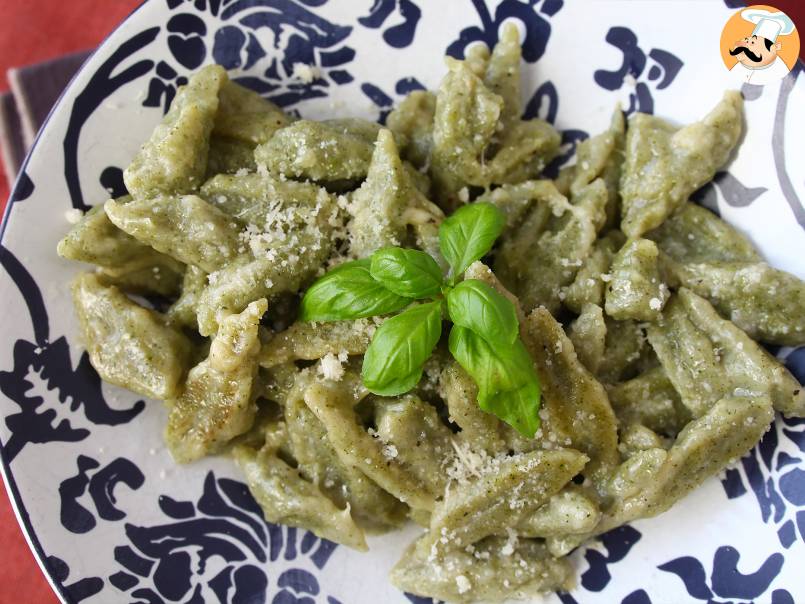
17	503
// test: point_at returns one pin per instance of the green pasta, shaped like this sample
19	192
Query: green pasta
323	279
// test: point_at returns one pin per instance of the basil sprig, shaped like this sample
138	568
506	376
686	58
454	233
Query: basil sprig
484	338
394	360
349	292
468	235
408	273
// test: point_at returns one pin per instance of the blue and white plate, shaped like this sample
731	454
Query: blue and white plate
108	514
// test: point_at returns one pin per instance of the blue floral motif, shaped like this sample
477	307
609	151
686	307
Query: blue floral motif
637	597
533	14
385	102
734	192
618	543
78	590
663	70
110	76
396	36
37	421
420	600
75	517
544	104
725	580
237	40
181	560
775	476
778	145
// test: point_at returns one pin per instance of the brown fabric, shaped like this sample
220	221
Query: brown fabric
34	91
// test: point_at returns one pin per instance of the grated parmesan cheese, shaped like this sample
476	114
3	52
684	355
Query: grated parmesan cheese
331	368
73	216
305	73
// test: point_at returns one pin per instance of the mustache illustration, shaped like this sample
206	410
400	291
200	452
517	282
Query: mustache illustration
743	49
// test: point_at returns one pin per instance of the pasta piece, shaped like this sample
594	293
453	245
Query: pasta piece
174	160
161	279
493	569
245	116
289	248
570	512
96	240
355	126
232	288
371	506
650	400
502	74
186	228
664	165
229	155
377	206
649	483
602	156
575	402
412	118
588	334
708	358
128	345
695	234
268	430
767	303
426	238
310	341
278	381
465	120
513	488
287	498
259	198
480	430
183	311
412	432
593	198
124	262
521	201
525	149
332	404
555	254
637	290
652	481
476	56
316	151
420	180
626	352
636	438
218	399
589	285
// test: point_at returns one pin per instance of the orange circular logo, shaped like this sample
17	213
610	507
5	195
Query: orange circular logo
759	44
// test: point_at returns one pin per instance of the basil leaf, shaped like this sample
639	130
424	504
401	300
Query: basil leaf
409	273
393	362
508	386
478	307
349	292
468	234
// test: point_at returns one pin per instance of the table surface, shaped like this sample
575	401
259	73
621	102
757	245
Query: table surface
32	32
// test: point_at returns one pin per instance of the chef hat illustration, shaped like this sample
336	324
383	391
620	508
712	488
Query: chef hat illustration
768	25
